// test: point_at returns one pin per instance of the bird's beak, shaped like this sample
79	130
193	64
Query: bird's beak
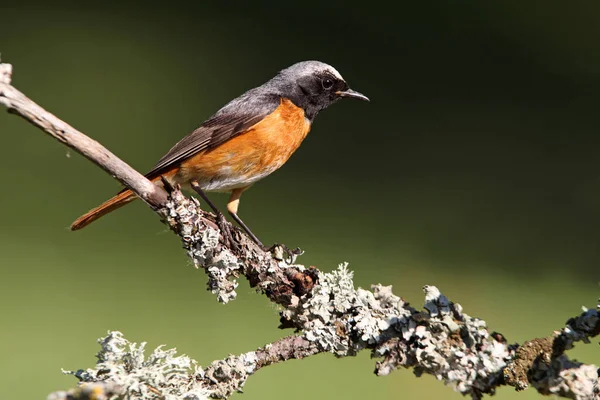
352	94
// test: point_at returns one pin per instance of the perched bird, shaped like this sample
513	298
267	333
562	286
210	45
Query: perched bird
246	140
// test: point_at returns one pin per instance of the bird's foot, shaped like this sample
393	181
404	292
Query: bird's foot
227	232
284	253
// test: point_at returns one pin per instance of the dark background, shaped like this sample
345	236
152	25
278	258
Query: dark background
474	168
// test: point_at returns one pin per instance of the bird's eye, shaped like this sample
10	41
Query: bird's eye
327	83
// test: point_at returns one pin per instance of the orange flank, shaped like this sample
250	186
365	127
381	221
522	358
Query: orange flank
251	155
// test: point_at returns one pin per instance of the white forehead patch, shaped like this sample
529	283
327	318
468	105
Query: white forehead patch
311	67
334	72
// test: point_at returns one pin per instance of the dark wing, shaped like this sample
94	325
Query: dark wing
236	117
212	133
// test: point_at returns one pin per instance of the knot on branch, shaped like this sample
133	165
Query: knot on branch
542	363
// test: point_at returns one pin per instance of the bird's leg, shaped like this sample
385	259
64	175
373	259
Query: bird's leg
167	185
224	226
232	207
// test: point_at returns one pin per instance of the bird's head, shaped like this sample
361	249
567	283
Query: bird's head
314	86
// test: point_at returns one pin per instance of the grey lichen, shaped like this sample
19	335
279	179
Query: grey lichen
343	319
566	378
123	372
201	242
230	375
596	388
123	369
441	341
458	349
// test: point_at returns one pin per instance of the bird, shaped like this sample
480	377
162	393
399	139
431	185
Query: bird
246	140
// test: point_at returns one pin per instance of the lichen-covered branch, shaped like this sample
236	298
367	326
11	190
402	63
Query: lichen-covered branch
327	311
123	370
440	340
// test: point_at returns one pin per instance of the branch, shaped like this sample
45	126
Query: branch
19	104
329	312
124	371
441	340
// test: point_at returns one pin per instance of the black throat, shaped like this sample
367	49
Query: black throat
310	109
309	104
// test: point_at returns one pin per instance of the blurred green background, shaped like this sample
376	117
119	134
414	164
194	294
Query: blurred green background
474	168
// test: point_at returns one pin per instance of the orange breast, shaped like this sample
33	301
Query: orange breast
251	155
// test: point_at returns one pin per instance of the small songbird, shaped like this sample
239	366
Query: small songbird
246	140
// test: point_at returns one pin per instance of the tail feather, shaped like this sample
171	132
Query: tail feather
118	201
122	198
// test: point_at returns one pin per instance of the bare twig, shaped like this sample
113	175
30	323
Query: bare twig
18	103
329	312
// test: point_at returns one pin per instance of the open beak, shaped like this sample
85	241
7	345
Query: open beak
352	94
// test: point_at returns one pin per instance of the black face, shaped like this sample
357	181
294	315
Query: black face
313	89
322	85
321	88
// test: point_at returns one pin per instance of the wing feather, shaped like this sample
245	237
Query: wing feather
235	118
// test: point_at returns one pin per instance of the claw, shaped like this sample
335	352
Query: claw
227	232
283	253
